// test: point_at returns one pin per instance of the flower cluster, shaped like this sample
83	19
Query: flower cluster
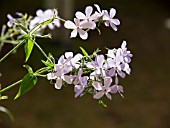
85	22
96	74
93	73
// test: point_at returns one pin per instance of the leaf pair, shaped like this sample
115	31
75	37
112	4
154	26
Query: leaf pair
28	82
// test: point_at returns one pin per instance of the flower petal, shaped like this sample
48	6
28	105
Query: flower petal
98	95
58	83
100	60
69	25
108	95
116	21
80	15
97	85
88	11
83	34
112	12
73	33
107	81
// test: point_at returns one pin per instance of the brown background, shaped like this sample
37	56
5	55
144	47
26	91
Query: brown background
147	97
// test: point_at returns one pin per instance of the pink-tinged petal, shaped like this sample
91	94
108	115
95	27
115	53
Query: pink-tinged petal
108	95
121	74
95	16
123	46
112	72
110	53
58	83
83	34
73	33
100	60
39	13
88	11
68	79
57	67
97	85
113	26
61	60
112	12
56	23
10	17
110	62
113	89
106	23
127	68
51	26
98	8
107	81
69	54
90	64
120	88
51	76
115	21
69	25
80	15
98	95
106	15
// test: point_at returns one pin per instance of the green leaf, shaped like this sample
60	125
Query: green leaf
102	103
22	28
28	82
41	24
29	44
48	64
84	52
28	68
6	111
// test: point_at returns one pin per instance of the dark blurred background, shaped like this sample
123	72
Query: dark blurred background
147	99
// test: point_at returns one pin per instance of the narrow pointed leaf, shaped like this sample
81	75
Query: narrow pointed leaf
48	64
28	68
29	44
28	82
84	52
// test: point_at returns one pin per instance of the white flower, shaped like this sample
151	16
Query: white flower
105	89
88	16
110	20
43	16
98	66
77	28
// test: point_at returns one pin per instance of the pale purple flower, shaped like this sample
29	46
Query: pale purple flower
125	53
103	89
110	20
78	77
77	28
88	16
79	88
61	69
100	12
43	16
11	21
117	88
75	60
98	66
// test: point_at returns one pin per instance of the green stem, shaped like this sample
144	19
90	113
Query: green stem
10	86
60	19
17	46
42	51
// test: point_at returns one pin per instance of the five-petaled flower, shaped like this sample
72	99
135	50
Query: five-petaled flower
106	88
110	20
